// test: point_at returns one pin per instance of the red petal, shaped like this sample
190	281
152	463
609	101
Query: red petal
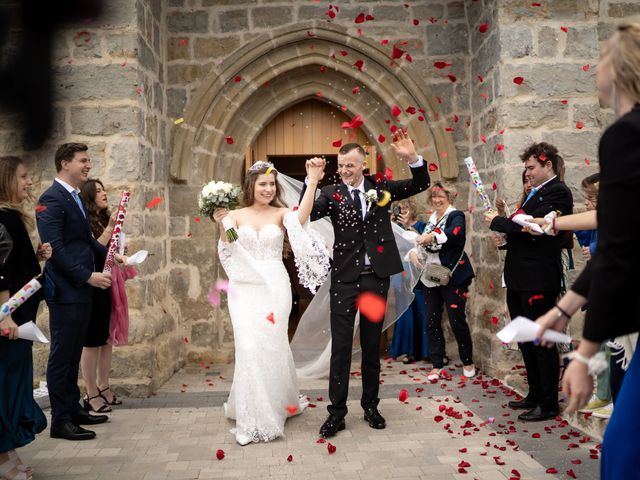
452	77
323	69
551	470
356	122
564	29
40	208
355	90
576	461
384	42
396	53
371	306
395	110
579	125
359	18
456	230
380	249
535	435
571	473
183	42
270	318
229	140
381	138
494	320
463	450
220	454
433	167
186	340
494	186
586	67
483	27
196	219
438	418
237	78
368	18
331	448
337	196
330	13
408	57
441	65
587	161
154	202
403	395
290	458
518	80
337	144
499	147
411	110
564	102
359	64
292	409
388	173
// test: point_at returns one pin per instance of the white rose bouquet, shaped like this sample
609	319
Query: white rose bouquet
220	195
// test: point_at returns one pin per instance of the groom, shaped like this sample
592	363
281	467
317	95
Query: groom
365	255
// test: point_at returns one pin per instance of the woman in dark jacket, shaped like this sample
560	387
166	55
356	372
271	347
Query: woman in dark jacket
443	243
610	280
20	416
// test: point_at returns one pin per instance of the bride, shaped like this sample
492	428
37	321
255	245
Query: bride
265	392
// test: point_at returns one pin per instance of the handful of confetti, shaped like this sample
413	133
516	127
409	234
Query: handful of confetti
220	195
477	182
117	231
19	298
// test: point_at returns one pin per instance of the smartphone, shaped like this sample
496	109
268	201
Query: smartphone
396	212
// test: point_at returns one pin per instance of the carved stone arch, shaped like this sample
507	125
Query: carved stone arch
282	68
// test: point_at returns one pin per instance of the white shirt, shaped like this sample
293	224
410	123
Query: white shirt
67	187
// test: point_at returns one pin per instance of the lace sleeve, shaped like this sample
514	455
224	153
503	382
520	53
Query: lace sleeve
225	252
310	252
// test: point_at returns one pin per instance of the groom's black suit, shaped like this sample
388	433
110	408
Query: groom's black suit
350	277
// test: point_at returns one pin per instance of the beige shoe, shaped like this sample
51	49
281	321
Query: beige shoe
434	374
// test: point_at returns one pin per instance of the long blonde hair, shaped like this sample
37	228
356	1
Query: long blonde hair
625	59
8	186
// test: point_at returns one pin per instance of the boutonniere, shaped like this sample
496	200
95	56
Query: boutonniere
371	195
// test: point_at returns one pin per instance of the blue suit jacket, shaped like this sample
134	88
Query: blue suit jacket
75	252
453	249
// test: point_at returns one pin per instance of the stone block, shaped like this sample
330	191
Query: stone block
122	45
188	22
548	42
516	41
178	48
447	39
576	10
94	82
310	12
582	43
549	79
455	11
184	199
133	361
124	161
146	57
86	45
155	226
186	74
487	56
623	9
233	20
104	120
267	17
588	114
423	12
575	145
209	48
176	102
177	226
10	142
390	13
533	114
606	29
203	334
117	14
156	9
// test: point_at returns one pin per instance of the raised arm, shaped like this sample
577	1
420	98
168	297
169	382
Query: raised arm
315	173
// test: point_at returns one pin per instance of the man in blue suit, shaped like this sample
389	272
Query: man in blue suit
69	276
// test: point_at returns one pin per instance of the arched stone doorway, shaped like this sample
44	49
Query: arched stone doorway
240	97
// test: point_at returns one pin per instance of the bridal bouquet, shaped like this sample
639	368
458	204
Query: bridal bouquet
220	195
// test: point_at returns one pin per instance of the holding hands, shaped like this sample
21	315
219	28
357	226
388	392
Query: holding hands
315	169
403	147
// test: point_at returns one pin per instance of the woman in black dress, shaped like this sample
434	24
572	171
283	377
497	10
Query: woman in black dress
96	354
20	416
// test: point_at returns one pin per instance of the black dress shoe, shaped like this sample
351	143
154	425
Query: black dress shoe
331	426
525	403
372	415
69	431
537	414
82	417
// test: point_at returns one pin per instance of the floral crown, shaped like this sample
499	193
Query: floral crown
259	165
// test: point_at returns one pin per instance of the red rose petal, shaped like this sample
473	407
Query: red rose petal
368	18
433	167
587	161
371	306
499	147
237	78
153	202
359	64
359	18
518	80
186	340
337	197
396	53
381	138
220	454
564	29
40	208
456	230
292	409
408	57
270	318
183	42
535	435
331	448
441	65
395	110
452	77
356	122
586	67
337	144
403	395
229	140
290	458
483	27
411	110
355	90
494	320
551	470
494	186
571	473
438	418
463	450
579	125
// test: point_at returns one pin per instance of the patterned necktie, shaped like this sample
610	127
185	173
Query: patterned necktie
357	201
76	197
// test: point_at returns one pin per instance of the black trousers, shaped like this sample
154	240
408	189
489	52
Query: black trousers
68	324
542	363
453	298
343	314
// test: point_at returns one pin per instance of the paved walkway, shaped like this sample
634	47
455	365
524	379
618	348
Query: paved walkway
448	430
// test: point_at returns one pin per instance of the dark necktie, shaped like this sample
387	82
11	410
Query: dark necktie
357	202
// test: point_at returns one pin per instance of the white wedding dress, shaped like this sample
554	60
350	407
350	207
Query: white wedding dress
265	391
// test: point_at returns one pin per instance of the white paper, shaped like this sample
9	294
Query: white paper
410	235
137	258
522	219
30	331
522	329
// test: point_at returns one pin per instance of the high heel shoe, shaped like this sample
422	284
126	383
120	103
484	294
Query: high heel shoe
114	399
86	400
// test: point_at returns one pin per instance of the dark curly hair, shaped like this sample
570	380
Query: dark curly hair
66	152
98	219
545	152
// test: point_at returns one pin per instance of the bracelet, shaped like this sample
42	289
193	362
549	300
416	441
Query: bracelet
595	365
563	312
